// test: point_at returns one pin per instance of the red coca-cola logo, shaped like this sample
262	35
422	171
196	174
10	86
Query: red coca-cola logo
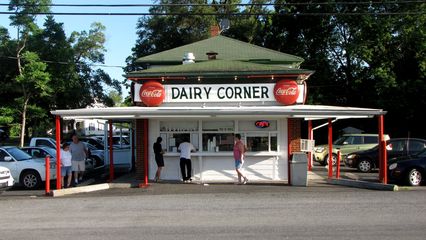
152	94
286	92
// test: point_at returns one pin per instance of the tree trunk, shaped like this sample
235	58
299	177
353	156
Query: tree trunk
24	120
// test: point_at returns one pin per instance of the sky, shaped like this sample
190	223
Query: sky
120	30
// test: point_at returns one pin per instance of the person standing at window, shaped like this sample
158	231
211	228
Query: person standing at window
158	151
239	150
185	149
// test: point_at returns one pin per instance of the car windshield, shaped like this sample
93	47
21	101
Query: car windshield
18	154
340	140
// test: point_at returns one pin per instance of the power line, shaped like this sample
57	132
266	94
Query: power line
218	14
68	63
218	4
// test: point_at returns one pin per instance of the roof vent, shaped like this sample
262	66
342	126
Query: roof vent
211	55
188	58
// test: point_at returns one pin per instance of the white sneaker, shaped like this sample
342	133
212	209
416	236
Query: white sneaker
245	180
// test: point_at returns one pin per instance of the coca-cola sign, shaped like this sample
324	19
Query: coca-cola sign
152	93
286	92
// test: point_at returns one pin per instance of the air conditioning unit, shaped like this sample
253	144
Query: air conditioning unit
307	145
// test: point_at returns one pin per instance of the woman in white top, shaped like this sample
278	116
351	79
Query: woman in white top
66	164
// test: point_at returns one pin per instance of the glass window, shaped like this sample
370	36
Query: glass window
370	139
214	142
221	126
415	146
177	138
91	127
396	146
357	140
179	126
257	125
3	155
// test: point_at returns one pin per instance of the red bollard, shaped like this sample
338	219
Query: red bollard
338	165
47	175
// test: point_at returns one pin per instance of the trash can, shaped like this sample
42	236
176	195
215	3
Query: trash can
299	169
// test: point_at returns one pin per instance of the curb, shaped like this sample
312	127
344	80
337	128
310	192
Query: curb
363	184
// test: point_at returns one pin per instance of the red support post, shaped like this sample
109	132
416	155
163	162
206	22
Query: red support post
111	156
47	159
339	156
58	153
382	152
330	149
310	137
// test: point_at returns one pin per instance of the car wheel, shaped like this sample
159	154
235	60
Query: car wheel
333	159
364	166
414	177
30	179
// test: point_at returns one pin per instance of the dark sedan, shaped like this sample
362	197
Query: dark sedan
408	170
367	160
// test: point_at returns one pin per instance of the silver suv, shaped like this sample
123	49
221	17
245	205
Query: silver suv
348	143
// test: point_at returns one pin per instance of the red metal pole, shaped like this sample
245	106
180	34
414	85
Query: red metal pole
338	164
310	137
58	153
330	149
47	159
111	158
380	147
382	150
145	151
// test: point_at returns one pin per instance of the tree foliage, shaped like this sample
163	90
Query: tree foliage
44	69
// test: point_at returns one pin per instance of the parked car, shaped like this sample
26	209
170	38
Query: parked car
42	141
348	143
117	141
28	171
94	159
6	179
367	160
408	169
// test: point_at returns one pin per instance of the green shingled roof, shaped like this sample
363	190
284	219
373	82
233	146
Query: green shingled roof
227	48
217	68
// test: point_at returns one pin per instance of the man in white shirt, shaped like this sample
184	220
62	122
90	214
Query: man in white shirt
185	149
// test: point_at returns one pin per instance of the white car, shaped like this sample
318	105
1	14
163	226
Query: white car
28	171
6	179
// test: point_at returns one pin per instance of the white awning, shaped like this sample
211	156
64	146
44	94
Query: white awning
307	112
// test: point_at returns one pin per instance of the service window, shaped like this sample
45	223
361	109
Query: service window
218	135
259	135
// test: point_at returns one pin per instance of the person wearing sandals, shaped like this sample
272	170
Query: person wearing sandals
158	151
239	150
66	165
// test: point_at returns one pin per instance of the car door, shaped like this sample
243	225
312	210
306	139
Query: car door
12	164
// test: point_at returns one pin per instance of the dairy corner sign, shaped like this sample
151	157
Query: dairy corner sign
285	92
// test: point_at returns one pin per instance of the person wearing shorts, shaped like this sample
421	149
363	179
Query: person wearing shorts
158	152
239	150
79	153
66	165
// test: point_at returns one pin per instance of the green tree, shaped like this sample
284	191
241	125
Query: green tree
34	81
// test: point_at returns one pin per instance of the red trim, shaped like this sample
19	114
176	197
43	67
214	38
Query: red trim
289	150
310	137
58	153
111	155
330	149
